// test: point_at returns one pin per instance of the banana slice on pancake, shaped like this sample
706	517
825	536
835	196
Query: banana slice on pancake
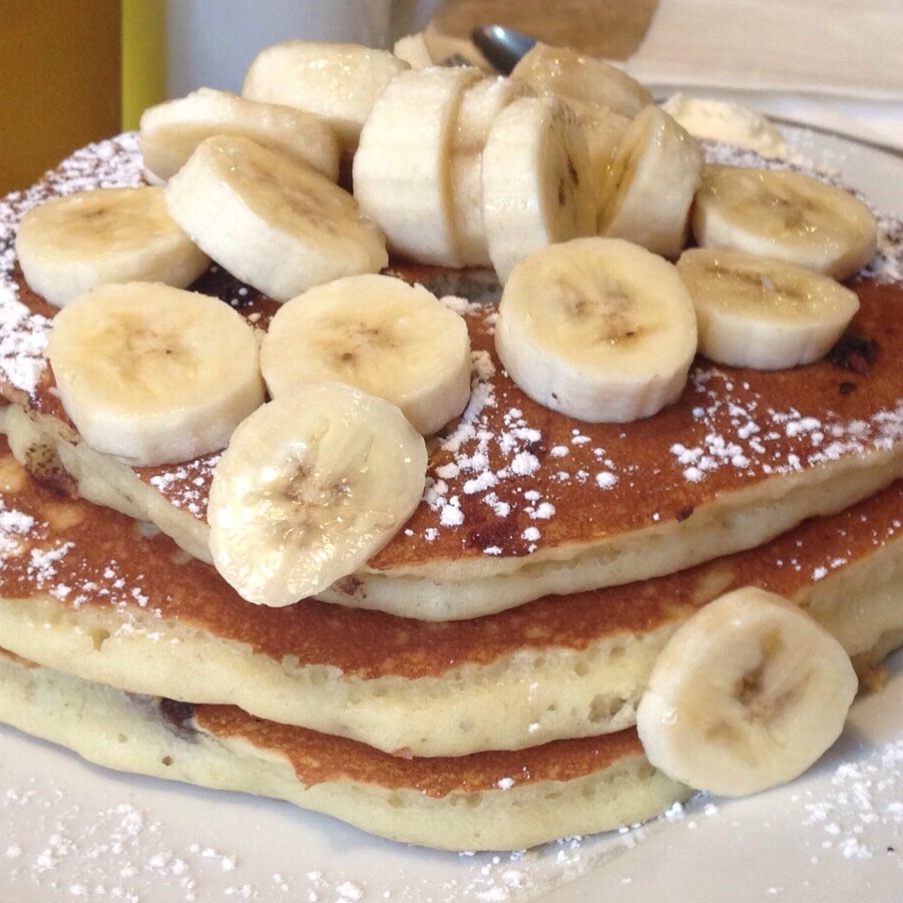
338	82
153	374
785	214
74	243
649	188
380	334
402	168
169	132
597	328
270	220
312	484
537	185
746	695
760	312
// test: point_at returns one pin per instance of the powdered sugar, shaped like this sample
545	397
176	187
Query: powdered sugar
14	527
864	793
186	485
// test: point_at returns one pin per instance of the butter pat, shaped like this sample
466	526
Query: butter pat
728	122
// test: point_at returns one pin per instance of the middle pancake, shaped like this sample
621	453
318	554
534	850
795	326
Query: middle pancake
88	591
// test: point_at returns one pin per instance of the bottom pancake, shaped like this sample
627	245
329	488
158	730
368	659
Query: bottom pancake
484	801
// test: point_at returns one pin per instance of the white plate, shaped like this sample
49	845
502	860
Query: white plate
70	831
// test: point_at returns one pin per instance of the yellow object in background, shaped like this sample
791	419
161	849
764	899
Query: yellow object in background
60	82
143	58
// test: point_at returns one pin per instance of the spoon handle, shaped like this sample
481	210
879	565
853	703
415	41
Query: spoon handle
501	46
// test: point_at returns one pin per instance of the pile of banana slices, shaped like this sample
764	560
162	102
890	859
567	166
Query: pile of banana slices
565	178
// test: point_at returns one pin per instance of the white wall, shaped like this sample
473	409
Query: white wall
211	42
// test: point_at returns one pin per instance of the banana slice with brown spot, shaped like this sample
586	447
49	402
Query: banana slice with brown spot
784	214
597	328
378	333
760	312
269	219
312	484
153	374
74	243
649	188
536	181
403	167
169	132
746	695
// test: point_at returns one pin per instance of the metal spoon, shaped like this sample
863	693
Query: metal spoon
501	46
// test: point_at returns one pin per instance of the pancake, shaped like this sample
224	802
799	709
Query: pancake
522	502
476	686
486	801
91	592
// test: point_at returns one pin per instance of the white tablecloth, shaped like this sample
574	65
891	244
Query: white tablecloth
835	64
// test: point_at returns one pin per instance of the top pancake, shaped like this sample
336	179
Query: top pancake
521	501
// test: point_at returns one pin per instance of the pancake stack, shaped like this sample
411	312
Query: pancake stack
476	684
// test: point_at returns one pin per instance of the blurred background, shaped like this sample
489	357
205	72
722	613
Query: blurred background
75	71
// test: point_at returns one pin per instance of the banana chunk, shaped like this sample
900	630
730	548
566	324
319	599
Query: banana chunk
760	312
746	695
650	184
154	374
480	104
402	168
581	80
312	484
338	82
597	328
74	243
536	181
270	220
605	130
784	214
380	334
169	132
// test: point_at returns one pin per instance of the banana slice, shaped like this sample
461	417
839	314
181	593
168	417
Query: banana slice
270	220
71	244
605	130
378	333
169	132
412	49
153	374
760	312
337	82
480	105
603	97
586	80
649	188
784	214
746	695
537	187
597	328
402	168
312	484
